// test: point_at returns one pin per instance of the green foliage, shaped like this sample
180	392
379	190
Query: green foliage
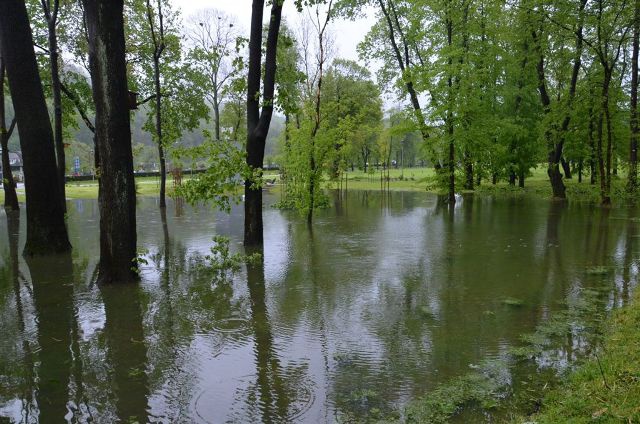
226	169
488	382
221	263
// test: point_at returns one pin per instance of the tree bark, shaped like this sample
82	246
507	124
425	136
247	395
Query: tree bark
449	118
632	184
216	112
468	170
566	168
258	121
117	199
158	106
8	184
51	16
46	230
157	37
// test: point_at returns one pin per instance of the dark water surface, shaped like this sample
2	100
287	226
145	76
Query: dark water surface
389	297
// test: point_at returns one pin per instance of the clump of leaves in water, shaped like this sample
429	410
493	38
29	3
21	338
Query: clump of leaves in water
582	318
221	263
512	301
598	270
483	386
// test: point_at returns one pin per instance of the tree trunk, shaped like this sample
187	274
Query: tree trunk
117	199
46	230
555	147
258	121
566	168
57	104
158	105
468	171
216	113
403	64
512	177
521	178
580	169
8	184
592	149
449	119
632	184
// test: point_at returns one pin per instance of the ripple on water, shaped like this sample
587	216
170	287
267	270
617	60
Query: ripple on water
232	326
299	400
302	402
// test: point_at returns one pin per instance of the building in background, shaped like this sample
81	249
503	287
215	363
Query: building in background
15	161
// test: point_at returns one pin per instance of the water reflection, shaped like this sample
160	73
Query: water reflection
126	351
391	295
52	283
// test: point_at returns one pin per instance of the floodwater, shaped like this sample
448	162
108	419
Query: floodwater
390	296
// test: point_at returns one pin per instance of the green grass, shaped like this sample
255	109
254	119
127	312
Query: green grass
409	179
145	186
606	389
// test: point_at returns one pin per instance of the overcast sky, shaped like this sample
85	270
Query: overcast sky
347	34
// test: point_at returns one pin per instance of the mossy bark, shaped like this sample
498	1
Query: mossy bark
117	197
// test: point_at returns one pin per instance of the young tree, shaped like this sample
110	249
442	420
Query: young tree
161	75
214	37
117	197
46	230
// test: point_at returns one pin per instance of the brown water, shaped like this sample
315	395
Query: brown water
389	297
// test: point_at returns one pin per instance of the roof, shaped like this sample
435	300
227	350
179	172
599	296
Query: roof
15	158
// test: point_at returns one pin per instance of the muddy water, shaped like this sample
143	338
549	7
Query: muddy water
388	298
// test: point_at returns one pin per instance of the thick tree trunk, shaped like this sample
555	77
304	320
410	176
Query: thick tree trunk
632	184
258	122
117	200
521	178
8	184
46	230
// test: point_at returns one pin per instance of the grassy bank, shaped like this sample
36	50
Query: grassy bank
424	179
145	186
408	179
605	389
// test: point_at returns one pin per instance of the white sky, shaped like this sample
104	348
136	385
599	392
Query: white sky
347	34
